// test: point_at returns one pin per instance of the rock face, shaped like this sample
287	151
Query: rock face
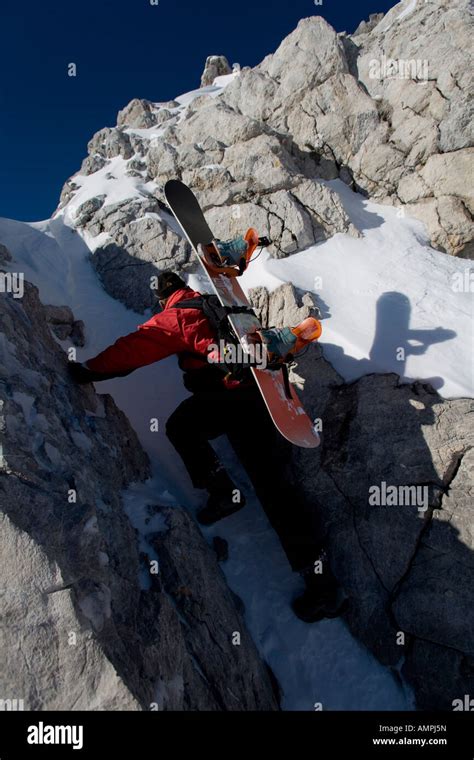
380	105
408	570
79	630
64	325
385	109
216	66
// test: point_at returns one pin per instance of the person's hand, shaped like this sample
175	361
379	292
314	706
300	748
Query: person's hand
79	373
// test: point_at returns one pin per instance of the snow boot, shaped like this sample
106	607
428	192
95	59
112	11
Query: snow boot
224	499
322	598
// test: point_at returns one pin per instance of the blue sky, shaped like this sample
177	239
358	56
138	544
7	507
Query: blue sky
123	49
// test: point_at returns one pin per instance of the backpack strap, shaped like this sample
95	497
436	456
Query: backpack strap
211	301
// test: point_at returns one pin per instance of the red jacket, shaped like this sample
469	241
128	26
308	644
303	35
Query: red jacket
173	331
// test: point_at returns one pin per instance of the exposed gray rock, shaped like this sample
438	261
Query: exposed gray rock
146	247
78	631
216	639
67	193
217	120
293	219
138	239
438	111
216	66
64	325
326	105
92	163
58	315
377	128
405	569
162	161
5	255
108	143
138	113
366	26
87	210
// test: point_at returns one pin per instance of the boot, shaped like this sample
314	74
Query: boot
222	499
322	598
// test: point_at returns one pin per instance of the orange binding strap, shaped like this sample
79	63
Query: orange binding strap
308	330
251	236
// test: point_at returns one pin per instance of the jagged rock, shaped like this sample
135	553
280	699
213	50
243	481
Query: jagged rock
139	240
92	164
315	52
138	113
293	220
136	168
263	163
451	174
90	637
5	255
210	635
404	569
191	156
108	143
112	218
216	66
139	145
441	115
67	193
147	247
77	333
64	325
338	114
162	162
448	222
366	26
87	210
377	130
212	184
316	108
306	58
282	307
221	548
220	122
118	144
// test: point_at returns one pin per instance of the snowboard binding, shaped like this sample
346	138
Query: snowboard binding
282	344
231	257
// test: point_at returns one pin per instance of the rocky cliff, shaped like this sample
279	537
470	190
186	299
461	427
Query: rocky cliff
80	629
408	570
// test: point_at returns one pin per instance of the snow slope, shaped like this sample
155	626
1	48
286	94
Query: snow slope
386	291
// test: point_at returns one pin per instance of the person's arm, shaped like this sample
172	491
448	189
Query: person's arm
158	338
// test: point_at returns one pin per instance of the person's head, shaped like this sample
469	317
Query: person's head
168	283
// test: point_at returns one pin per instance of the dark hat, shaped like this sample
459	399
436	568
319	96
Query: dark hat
168	282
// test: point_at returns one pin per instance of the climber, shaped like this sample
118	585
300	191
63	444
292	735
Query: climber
219	405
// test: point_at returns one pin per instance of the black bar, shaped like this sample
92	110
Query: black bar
316	735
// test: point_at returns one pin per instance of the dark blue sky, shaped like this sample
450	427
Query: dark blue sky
123	49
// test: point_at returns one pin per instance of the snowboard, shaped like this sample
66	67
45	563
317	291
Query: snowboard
281	399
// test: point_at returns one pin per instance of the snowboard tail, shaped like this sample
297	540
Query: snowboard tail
280	397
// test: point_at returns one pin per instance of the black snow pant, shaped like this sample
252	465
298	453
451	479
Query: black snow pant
241	415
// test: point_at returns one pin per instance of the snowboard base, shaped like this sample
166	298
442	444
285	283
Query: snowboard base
286	411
